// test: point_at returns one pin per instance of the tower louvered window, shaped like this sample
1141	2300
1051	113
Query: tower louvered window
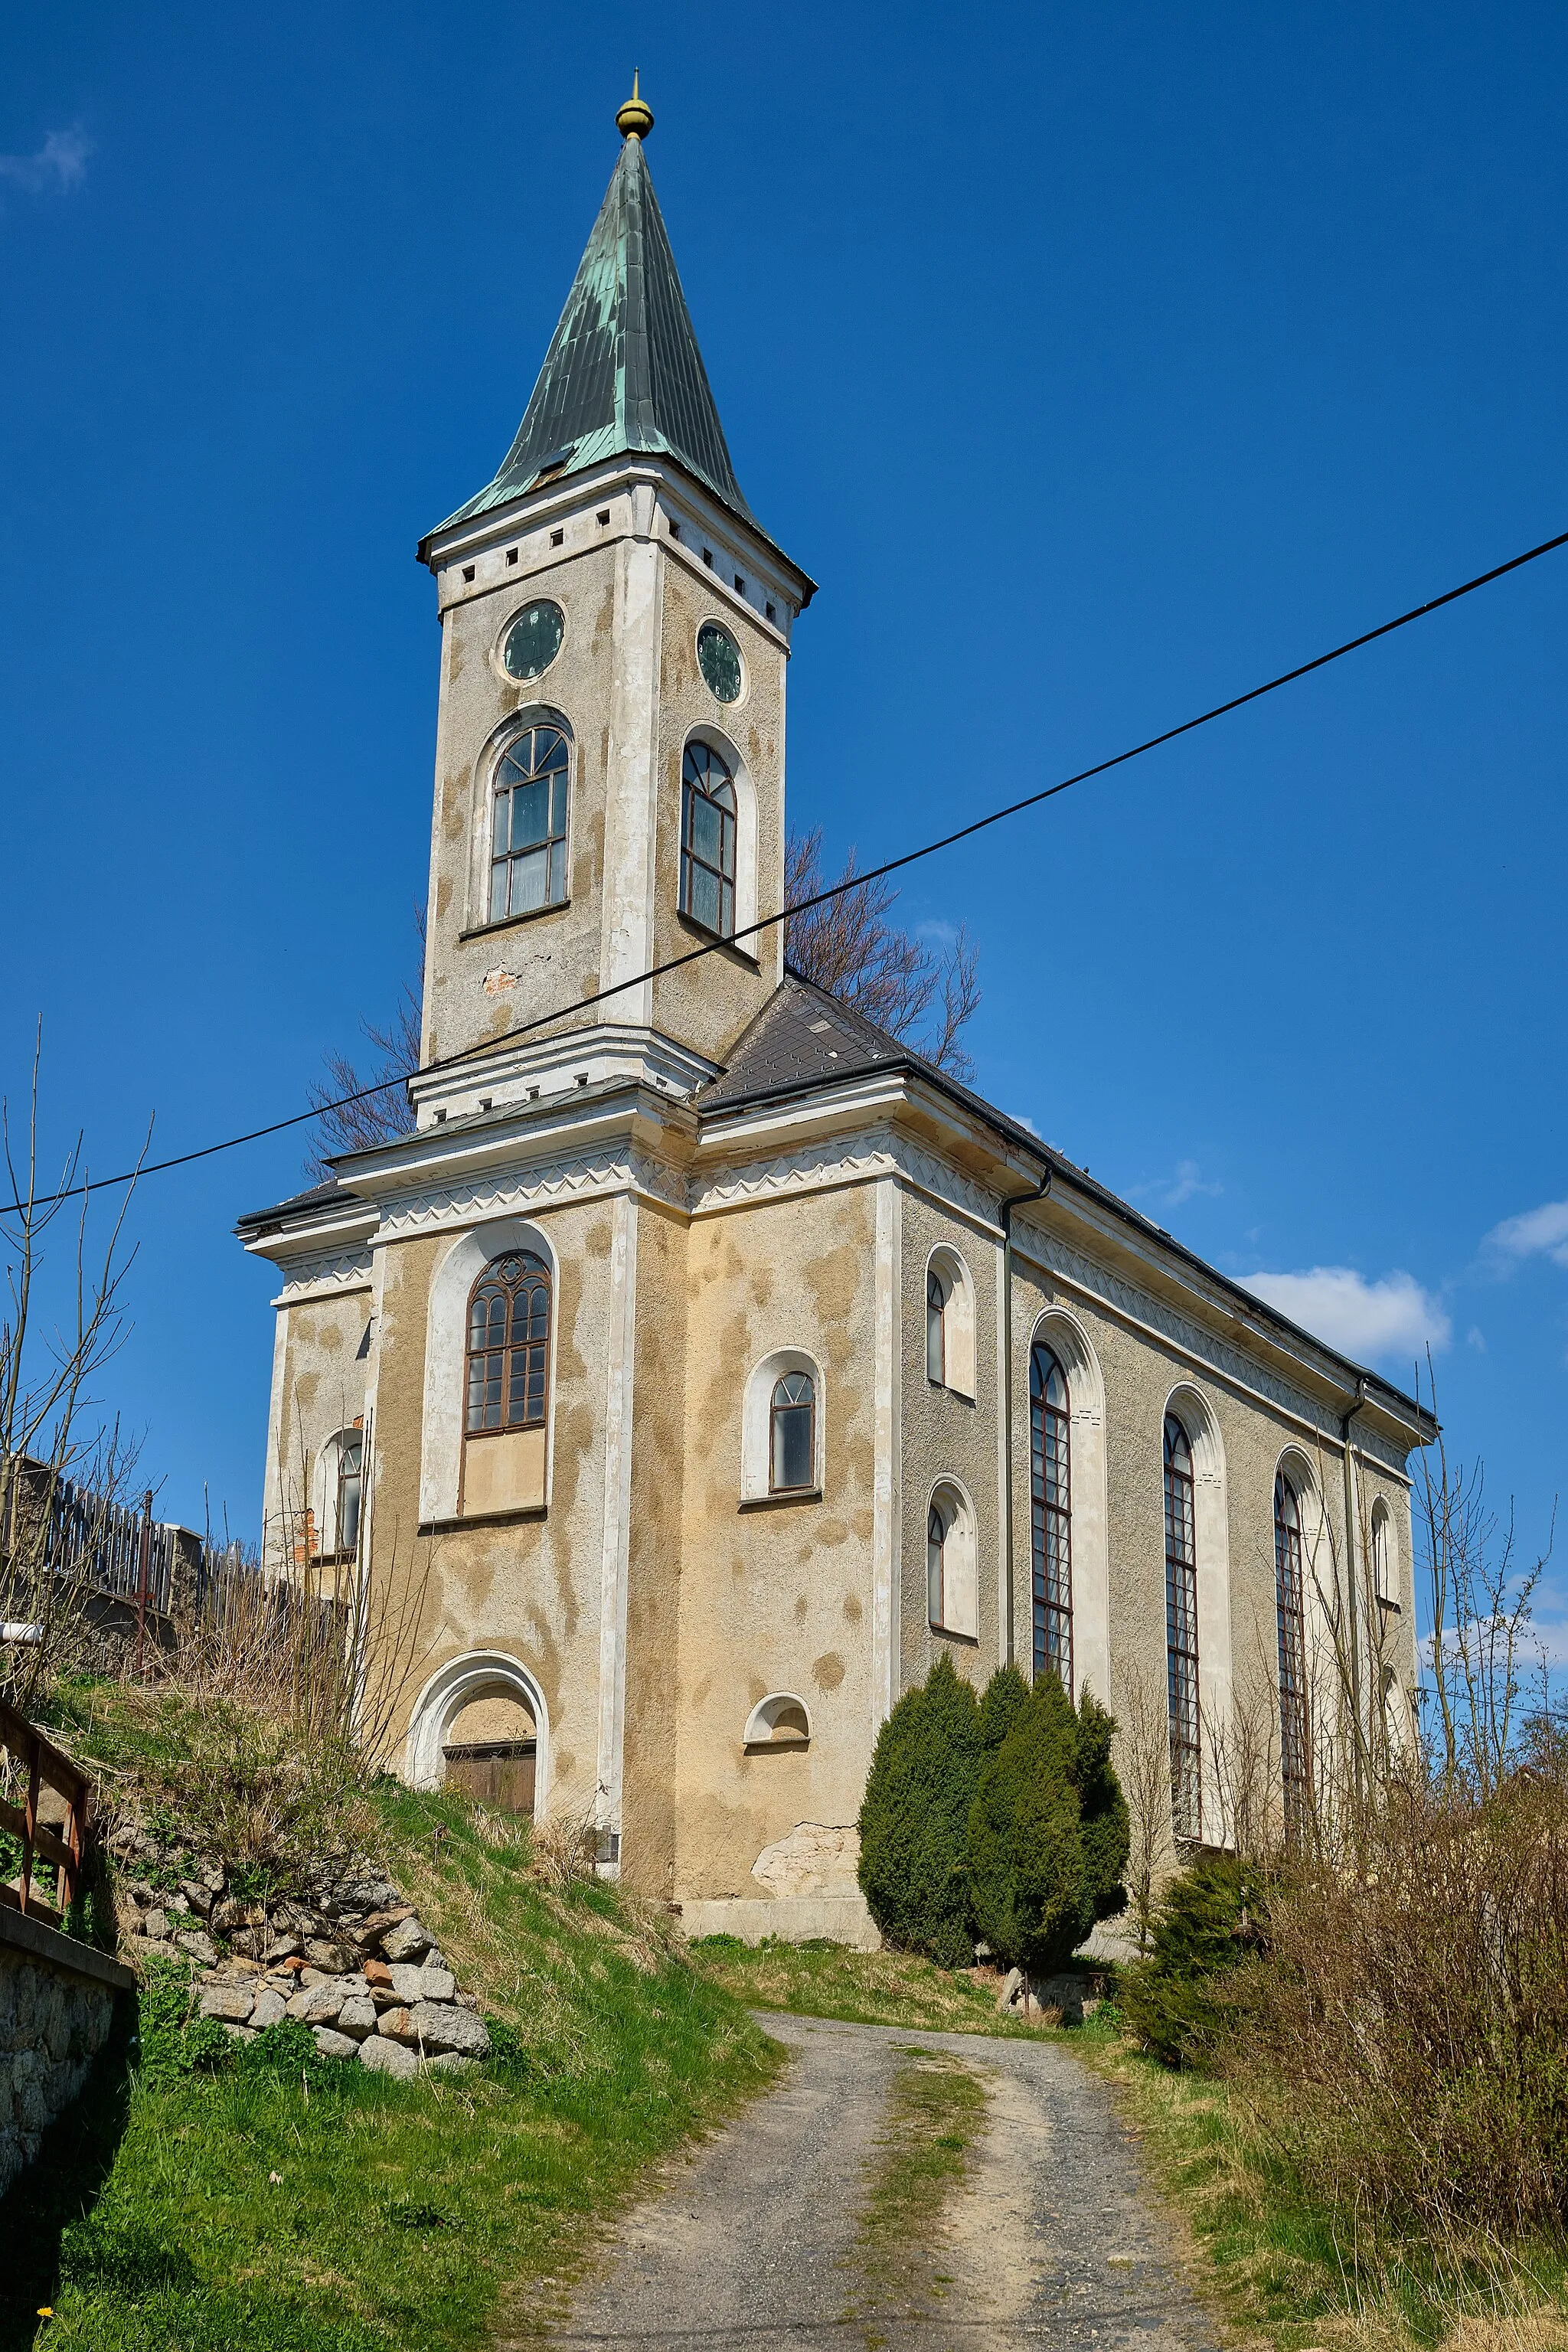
707	840
1290	1611
1182	1634
508	1346
1050	1511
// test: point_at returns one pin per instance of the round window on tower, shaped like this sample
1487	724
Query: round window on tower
719	657
533	641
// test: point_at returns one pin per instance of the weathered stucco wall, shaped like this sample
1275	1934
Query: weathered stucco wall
777	1598
323	1389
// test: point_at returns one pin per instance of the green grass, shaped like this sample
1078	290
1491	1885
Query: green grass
192	2212
822	1979
935	2114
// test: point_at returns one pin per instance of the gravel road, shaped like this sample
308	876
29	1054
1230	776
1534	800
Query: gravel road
1052	2240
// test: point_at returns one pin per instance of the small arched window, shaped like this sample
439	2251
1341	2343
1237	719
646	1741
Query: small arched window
508	1346
792	1433
1385	1575
1182	1633
340	1488
937	1521
708	829
528	848
1050	1511
1290	1613
936	1337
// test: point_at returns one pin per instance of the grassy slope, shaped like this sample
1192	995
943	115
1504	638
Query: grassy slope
399	2214
863	1988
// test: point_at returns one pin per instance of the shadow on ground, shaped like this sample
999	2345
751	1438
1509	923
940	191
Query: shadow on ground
63	2185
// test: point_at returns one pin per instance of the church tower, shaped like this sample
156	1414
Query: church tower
610	746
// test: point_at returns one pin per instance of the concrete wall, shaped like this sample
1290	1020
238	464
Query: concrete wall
57	2004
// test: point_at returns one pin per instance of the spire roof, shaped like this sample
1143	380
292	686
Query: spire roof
623	371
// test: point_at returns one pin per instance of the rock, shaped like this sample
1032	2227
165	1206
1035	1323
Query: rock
440	2026
407	1942
423	1984
282	1947
330	1959
374	1928
270	2007
231	2004
199	1946
334	2045
245	1941
318	2004
198	1898
451	2061
396	2024
151	1948
376	1972
467	1999
178	1903
240	2032
352	1987
387	2058
356	2019
156	1924
1012	1989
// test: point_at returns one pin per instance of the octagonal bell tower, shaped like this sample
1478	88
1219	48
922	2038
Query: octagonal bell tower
610	744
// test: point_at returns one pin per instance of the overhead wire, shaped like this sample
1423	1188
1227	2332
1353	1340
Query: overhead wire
802	905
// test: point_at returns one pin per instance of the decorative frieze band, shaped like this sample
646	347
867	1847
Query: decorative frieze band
325	1273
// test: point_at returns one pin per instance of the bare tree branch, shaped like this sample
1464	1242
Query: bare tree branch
848	947
380	1116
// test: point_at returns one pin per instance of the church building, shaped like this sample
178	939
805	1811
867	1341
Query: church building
704	1363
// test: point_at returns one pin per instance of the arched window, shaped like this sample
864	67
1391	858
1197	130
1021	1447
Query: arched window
1385	1574
1050	1513
1290	1611
936	1579
791	1434
339	1486
936	1339
1182	1634
508	1346
951	1589
707	840
528	849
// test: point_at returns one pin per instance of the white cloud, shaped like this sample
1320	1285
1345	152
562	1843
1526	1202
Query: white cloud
1020	1118
1537	1232
1476	1339
1185	1184
944	934
1366	1321
60	162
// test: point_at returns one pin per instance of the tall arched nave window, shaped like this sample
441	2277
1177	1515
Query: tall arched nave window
1182	1633
528	847
1290	1611
508	1363
1050	1512
708	836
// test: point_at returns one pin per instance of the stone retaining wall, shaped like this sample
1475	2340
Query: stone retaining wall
57	2003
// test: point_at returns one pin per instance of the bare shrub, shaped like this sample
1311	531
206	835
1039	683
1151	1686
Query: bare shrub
1143	1761
1407	2035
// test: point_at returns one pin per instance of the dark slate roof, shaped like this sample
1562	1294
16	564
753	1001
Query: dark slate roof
297	1204
623	371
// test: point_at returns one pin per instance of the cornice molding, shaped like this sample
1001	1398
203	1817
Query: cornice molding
325	1273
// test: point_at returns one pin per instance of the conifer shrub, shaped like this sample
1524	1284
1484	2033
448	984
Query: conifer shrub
1047	1830
914	1819
1181	2002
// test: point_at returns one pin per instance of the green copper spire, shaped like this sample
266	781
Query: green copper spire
623	371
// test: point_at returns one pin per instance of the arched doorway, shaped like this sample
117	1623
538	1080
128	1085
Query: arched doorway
480	1724
491	1750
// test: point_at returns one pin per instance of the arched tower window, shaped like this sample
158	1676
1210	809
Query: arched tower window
1385	1574
508	1346
707	840
1182	1633
936	1580
528	848
792	1433
1051	1502
1290	1611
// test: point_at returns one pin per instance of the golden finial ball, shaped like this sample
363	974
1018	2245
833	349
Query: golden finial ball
634	120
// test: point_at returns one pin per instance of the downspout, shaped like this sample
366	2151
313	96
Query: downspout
1006	1385
1352	1565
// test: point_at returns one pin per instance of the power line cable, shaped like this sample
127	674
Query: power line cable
821	898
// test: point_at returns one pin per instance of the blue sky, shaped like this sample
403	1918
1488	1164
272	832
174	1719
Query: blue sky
1098	361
